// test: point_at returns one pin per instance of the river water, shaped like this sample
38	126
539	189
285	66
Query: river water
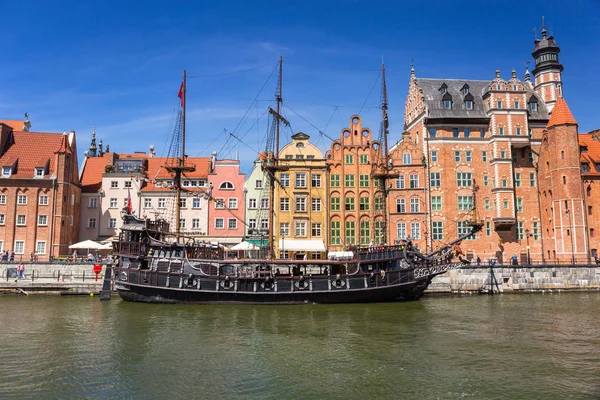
528	346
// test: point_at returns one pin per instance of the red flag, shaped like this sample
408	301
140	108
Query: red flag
128	202
181	94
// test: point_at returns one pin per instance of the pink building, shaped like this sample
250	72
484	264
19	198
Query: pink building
226	211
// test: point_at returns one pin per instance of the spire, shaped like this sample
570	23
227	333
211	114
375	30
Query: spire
543	29
514	74
412	72
561	115
497	73
527	75
92	151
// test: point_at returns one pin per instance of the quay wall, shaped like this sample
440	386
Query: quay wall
518	279
52	277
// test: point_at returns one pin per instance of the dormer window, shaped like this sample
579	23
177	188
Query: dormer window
447	101
39	172
465	89
444	88
469	104
533	104
6	171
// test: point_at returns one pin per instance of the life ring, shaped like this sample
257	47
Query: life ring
302	284
338	282
267	284
226	284
146	240
372	278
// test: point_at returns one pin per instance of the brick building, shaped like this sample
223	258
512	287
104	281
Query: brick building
39	191
475	145
589	145
356	200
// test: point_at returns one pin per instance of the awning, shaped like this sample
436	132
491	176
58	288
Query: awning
301	245
264	243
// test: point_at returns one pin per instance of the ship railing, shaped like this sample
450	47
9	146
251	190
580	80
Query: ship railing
200	252
127	249
157	226
380	252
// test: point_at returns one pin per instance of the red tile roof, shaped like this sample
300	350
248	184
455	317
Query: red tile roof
15	124
94	167
591	142
561	114
157	170
31	150
91	175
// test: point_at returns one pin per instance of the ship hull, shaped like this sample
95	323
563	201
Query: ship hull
151	294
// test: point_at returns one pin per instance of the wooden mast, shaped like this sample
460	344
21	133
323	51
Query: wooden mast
180	165
387	166
275	160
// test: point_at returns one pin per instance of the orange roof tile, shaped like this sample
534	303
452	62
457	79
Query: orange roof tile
157	170
91	176
592	155
561	114
29	148
16	124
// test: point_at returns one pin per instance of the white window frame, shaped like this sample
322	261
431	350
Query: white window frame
22	200
91	223
114	184
2	219
42	220
21	220
284	204
195	223
39	172
21	244
232	203
162	202
196	203
113	202
401	230
219	221
252	203
112	223
2	199
37	247
316	205
284	229
43	200
264	203
300	228
232	223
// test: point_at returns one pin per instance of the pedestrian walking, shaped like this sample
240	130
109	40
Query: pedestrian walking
20	271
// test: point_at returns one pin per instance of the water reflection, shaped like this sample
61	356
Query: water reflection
539	346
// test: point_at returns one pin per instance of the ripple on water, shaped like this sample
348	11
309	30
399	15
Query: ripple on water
526	347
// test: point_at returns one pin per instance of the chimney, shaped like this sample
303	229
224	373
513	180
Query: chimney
213	161
151	151
26	123
100	151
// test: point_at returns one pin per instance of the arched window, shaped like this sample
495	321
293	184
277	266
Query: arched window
226	186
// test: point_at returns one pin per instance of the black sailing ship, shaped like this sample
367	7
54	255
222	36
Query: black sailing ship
155	265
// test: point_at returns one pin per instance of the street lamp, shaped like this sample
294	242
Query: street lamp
568	212
528	252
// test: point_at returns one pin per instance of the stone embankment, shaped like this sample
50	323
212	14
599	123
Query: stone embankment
51	278
507	279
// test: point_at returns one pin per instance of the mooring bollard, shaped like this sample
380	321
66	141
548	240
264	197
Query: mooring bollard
83	276
58	276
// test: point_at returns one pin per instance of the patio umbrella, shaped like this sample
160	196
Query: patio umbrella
245	246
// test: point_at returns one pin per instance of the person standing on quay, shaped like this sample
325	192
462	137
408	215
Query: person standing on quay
20	271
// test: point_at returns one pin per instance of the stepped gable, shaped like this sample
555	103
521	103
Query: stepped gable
561	115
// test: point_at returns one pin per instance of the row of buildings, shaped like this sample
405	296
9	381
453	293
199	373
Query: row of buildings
507	149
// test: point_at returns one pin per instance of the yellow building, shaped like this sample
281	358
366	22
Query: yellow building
300	201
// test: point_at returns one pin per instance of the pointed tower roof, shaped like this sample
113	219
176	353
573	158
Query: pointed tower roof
561	115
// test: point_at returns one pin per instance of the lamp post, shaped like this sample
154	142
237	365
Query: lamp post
528	251
568	212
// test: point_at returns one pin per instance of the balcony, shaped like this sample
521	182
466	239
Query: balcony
504	223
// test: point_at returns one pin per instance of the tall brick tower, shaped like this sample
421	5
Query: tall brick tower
561	188
548	82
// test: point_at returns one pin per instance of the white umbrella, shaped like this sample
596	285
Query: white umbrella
106	246
86	244
245	246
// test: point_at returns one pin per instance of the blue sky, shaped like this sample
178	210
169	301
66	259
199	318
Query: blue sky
118	64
